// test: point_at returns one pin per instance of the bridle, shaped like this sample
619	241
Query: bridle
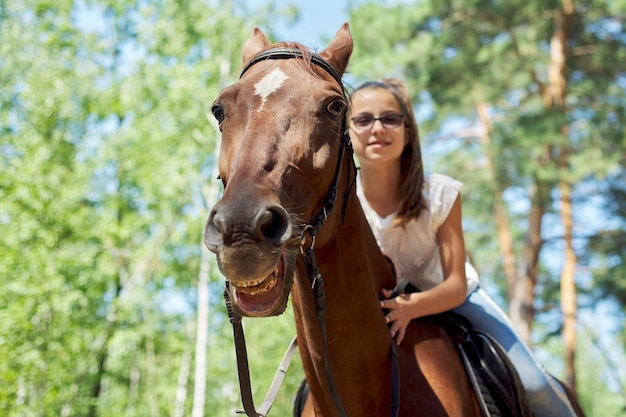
315	277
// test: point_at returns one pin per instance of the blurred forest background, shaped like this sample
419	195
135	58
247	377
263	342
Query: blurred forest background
110	306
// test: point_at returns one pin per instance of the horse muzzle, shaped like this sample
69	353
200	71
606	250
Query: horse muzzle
254	252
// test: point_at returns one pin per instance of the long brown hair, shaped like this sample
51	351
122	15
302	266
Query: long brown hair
411	168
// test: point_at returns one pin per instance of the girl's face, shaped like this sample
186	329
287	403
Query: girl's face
377	126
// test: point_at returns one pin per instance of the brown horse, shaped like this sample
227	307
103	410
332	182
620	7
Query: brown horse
282	147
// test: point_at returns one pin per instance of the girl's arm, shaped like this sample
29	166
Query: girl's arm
449	294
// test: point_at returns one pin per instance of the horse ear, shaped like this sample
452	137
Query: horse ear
338	52
256	43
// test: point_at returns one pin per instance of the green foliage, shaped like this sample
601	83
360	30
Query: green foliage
105	152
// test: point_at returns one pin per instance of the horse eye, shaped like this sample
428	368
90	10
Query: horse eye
218	112
335	108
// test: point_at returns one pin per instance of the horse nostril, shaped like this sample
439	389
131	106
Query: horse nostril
216	219
274	225
215	229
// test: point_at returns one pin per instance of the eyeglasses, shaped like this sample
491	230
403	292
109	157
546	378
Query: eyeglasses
365	122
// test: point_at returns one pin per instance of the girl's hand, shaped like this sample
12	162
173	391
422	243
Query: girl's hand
400	313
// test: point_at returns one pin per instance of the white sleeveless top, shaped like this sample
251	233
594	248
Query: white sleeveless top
414	249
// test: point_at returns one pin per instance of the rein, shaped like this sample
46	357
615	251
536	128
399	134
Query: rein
315	277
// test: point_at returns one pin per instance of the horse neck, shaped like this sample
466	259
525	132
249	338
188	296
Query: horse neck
353	270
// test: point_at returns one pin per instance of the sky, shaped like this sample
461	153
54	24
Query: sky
319	19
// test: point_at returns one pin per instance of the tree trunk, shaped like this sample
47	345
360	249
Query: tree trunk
505	238
522	309
210	194
568	287
558	90
151	367
181	390
199	392
520	286
97	385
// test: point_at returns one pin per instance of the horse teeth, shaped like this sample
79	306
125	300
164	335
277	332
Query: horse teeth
251	283
257	286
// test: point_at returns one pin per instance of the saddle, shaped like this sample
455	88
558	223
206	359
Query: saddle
498	387
495	380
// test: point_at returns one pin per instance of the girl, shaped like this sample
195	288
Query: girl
416	219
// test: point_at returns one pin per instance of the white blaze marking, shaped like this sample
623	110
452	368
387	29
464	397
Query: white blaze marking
270	83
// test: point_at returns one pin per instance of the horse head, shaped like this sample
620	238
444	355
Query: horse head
281	125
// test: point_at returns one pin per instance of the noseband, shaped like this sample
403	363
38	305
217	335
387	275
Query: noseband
315	278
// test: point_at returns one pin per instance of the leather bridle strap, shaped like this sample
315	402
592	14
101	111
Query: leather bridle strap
244	371
315	278
289	53
319	298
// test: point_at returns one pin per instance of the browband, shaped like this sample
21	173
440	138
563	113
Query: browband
287	53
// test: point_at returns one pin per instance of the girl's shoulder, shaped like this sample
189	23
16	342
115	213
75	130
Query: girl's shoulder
436	184
439	192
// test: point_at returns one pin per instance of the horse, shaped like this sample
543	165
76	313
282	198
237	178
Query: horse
284	161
